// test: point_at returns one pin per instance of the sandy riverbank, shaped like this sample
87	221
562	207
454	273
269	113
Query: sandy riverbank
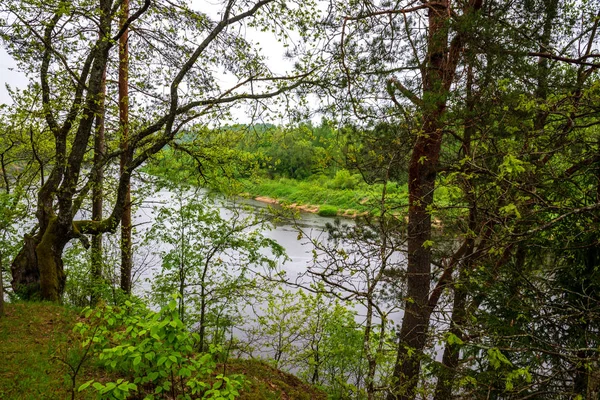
310	208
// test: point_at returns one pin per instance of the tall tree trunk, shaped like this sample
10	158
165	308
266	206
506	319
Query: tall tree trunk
451	355
438	75
421	184
126	248
38	268
98	194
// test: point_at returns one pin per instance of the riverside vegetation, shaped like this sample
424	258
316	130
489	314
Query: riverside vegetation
468	152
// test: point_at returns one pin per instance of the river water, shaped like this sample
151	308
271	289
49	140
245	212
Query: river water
284	232
298	248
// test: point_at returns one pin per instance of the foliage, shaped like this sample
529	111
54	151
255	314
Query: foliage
154	351
327	211
81	287
11	210
316	337
65	51
212	261
36	361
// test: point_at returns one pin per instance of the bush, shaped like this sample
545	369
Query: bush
328	211
344	180
154	351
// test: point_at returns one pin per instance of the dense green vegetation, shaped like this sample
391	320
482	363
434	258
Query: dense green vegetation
41	344
303	166
462	135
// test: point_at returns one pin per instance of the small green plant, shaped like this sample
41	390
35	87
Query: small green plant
328	211
154	353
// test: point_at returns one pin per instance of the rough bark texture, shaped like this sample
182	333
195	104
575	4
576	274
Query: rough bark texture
25	271
440	65
49	255
98	192
126	249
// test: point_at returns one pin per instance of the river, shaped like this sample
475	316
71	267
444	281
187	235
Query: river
298	248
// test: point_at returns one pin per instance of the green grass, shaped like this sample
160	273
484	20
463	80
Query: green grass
33	340
268	383
362	198
327	211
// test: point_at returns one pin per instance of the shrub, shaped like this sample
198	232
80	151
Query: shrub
344	180
155	351
328	211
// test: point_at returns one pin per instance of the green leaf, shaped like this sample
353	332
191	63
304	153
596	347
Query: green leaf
85	385
453	339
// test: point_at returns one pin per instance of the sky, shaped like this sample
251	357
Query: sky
9	75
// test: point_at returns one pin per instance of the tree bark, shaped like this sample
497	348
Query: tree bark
38	268
421	184
25	271
438	75
98	195
126	248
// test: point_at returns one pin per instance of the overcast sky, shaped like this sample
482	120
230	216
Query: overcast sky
9	75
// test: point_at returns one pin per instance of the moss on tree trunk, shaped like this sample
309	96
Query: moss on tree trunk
49	258
38	272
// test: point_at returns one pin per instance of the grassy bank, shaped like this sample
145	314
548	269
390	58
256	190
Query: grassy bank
34	339
325	193
37	342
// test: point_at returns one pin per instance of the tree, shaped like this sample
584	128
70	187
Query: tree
97	270
126	242
430	63
353	263
176	46
408	62
213	262
20	158
518	191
